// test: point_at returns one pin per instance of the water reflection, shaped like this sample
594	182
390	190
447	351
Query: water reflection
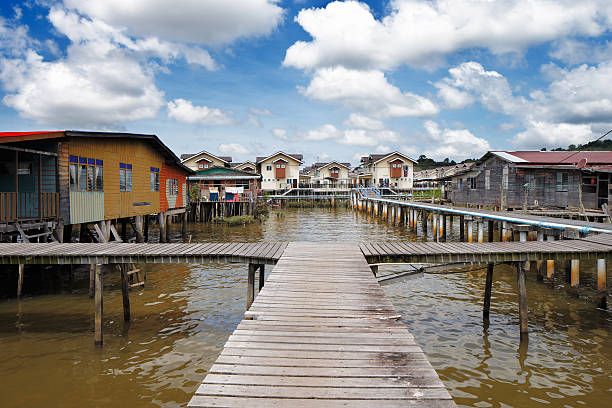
184	315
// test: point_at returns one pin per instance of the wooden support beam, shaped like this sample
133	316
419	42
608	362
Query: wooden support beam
162	227
146	228
92	280
490	229
487	295
461	228
424	216
184	225
98	319
125	292
602	290
138	222
20	280
574	273
504	231
251	286
522	298
262	276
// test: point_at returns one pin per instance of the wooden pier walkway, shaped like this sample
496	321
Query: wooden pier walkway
325	335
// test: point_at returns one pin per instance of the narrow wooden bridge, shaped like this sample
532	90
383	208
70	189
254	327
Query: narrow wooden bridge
325	335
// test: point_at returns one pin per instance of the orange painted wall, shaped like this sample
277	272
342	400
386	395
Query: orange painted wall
167	172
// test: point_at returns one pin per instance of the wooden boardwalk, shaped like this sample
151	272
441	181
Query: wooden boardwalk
325	335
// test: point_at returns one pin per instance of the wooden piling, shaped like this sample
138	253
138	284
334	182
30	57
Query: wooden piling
461	228
480	230
487	296
251	286
20	280
424	216
574	273
162	227
490	229
470	229
602	291
138	222
125	292
262	276
434	223
98	319
522	298
146	228
92	279
504	231
184	223
540	264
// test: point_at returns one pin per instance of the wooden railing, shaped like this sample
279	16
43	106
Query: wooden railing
14	206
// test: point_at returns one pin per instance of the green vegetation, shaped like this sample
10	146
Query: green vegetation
235	220
260	210
605	144
425	163
421	194
194	192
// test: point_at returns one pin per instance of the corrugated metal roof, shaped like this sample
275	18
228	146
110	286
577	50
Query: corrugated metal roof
556	157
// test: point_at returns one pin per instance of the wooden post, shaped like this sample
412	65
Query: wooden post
168	223
470	229
540	264
490	228
138	221
262	276
162	227
92	280
184	226
442	230
124	230
424	216
504	231
522	298
550	263
480	230
602	291
461	228
250	286
575	273
99	306
146	228
487	296
434	222
125	292
20	280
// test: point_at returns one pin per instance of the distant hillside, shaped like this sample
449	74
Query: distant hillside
605	144
425	163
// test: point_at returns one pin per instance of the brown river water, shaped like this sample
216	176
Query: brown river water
184	315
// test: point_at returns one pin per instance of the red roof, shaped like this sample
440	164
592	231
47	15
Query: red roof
8	134
550	157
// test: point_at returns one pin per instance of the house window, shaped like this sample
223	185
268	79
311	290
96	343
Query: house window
86	174
200	166
530	181
154	179
125	177
473	183
487	179
269	168
505	177
562	181
460	187
173	187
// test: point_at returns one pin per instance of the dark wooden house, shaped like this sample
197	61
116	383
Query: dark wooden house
534	179
226	184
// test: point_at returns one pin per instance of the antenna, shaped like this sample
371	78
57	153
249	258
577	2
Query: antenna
581	163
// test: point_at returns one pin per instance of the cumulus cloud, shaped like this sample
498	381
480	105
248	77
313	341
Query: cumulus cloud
538	134
366	91
574	52
232	148
184	111
452	97
356	120
280	133
421	33
351	137
453	142
97	84
199	22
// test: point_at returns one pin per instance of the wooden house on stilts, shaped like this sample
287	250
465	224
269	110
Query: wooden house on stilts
50	181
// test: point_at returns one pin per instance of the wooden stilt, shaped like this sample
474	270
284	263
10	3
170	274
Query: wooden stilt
434	222
424	216
487	296
470	230
602	290
575	273
522	298
124	237
504	231
480	230
98	319
146	228
162	227
125	292
250	286
540	264
138	221
20	280
184	226
262	276
461	228
490	229
168	223
92	280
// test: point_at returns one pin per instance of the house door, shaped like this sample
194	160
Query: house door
602	190
295	183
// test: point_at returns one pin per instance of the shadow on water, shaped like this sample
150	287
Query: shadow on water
185	313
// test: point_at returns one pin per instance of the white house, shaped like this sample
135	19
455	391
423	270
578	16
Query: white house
393	170
245	166
329	174
205	160
279	171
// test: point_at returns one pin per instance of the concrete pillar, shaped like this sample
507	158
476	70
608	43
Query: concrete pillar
480	224
470	229
434	222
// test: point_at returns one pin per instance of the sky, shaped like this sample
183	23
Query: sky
333	80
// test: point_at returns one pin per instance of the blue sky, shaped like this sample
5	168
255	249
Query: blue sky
331	80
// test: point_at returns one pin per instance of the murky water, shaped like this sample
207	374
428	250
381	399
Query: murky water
182	318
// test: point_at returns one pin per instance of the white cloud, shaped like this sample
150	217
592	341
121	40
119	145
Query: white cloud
382	149
351	137
97	84
232	148
421	33
280	133
255	113
356	120
576	52
545	134
260	112
199	22
453	143
366	91
452	97
184	111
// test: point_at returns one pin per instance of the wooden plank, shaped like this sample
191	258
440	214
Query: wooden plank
222	401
